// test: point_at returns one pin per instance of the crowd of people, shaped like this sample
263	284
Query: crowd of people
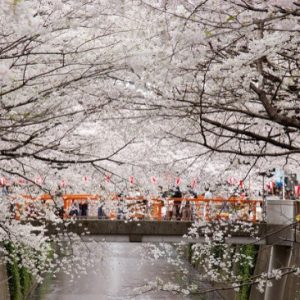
171	204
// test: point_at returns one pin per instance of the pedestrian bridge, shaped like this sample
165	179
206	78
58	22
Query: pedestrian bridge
157	219
174	232
151	208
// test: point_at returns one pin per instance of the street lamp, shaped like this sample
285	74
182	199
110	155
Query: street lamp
267	174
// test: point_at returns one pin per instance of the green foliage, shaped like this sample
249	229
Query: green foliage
20	280
208	33
231	18
245	270
15	2
14	276
43	288
26	282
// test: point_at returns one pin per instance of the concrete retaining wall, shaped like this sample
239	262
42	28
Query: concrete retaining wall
4	289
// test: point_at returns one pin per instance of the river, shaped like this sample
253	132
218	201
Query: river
122	268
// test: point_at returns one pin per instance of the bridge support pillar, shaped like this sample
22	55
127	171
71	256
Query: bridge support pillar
280	257
135	238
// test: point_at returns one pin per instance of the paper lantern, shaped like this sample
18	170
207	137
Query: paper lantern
21	181
38	180
194	183
107	178
153	179
62	184
131	179
3	181
231	180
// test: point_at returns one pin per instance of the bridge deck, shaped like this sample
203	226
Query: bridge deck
166	231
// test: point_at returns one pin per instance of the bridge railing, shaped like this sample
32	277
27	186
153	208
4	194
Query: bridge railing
209	209
148	208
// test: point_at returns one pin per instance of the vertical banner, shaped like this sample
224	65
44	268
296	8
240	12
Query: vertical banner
178	181
85	179
297	191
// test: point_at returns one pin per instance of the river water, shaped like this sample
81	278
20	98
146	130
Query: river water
122	268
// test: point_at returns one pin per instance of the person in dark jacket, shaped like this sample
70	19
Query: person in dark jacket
177	203
84	209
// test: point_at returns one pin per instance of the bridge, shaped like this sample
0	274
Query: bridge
141	219
174	232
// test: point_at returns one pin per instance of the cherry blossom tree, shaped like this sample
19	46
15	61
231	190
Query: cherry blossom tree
136	87
225	74
63	74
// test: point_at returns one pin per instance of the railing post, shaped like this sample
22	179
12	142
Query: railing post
206	211
254	211
159	210
66	206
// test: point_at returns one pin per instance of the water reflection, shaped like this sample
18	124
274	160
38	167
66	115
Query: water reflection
123	267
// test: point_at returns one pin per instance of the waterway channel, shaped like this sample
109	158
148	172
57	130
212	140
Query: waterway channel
122	268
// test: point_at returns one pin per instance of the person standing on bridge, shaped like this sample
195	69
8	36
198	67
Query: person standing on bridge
101	213
177	203
74	210
208	193
84	209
